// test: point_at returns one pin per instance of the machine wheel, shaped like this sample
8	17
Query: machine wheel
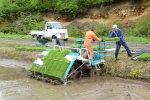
35	37
38	77
57	82
94	72
76	74
47	79
31	74
44	79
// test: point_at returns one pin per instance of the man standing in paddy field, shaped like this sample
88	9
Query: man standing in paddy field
89	37
116	32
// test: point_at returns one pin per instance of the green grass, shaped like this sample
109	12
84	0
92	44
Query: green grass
128	39
112	39
31	48
137	40
1	3
14	36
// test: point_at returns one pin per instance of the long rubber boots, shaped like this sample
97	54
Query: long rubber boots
116	56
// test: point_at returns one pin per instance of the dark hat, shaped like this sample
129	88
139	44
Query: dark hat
93	28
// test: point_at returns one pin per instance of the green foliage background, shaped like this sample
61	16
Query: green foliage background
71	7
24	16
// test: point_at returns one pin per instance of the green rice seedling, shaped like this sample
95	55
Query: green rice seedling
56	72
79	42
64	65
112	39
49	54
60	56
53	54
144	56
40	69
96	48
57	66
30	48
49	66
60	75
75	46
65	52
46	62
20	48
57	56
52	66
32	67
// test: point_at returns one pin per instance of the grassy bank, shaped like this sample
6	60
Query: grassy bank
128	39
124	67
8	51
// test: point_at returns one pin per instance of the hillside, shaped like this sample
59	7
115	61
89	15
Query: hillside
109	14
123	12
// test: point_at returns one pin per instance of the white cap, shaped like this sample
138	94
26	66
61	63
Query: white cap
114	26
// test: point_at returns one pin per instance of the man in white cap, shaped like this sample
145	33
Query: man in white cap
116	32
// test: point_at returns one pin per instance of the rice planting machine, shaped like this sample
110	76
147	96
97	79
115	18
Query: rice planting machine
60	66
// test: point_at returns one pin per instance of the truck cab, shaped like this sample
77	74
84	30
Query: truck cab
52	30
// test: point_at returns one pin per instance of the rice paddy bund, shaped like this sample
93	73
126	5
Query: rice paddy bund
124	67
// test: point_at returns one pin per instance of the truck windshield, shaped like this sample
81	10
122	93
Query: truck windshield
57	26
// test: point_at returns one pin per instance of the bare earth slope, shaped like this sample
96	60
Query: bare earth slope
107	14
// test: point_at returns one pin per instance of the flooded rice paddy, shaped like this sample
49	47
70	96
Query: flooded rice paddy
18	86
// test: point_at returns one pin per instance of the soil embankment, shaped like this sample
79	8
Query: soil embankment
123	12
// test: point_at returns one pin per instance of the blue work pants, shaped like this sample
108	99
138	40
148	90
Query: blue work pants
118	46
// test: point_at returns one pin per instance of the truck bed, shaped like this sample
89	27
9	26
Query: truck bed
33	32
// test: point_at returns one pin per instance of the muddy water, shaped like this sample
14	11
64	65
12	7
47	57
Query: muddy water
18	86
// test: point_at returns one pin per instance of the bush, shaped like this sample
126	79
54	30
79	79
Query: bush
5	29
142	27
26	23
139	29
74	31
101	30
1	16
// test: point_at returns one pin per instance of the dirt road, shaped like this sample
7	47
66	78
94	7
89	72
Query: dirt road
132	46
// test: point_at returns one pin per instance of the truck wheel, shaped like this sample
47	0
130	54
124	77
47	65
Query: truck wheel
35	37
41	37
66	39
54	37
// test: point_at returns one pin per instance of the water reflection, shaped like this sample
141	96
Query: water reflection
1	96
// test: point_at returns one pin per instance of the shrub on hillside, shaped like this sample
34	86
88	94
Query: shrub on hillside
143	27
26	23
78	31
140	28
5	29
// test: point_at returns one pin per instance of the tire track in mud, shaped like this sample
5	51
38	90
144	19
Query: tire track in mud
112	91
101	88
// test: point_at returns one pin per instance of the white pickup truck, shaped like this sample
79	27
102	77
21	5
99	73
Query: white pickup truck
52	30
